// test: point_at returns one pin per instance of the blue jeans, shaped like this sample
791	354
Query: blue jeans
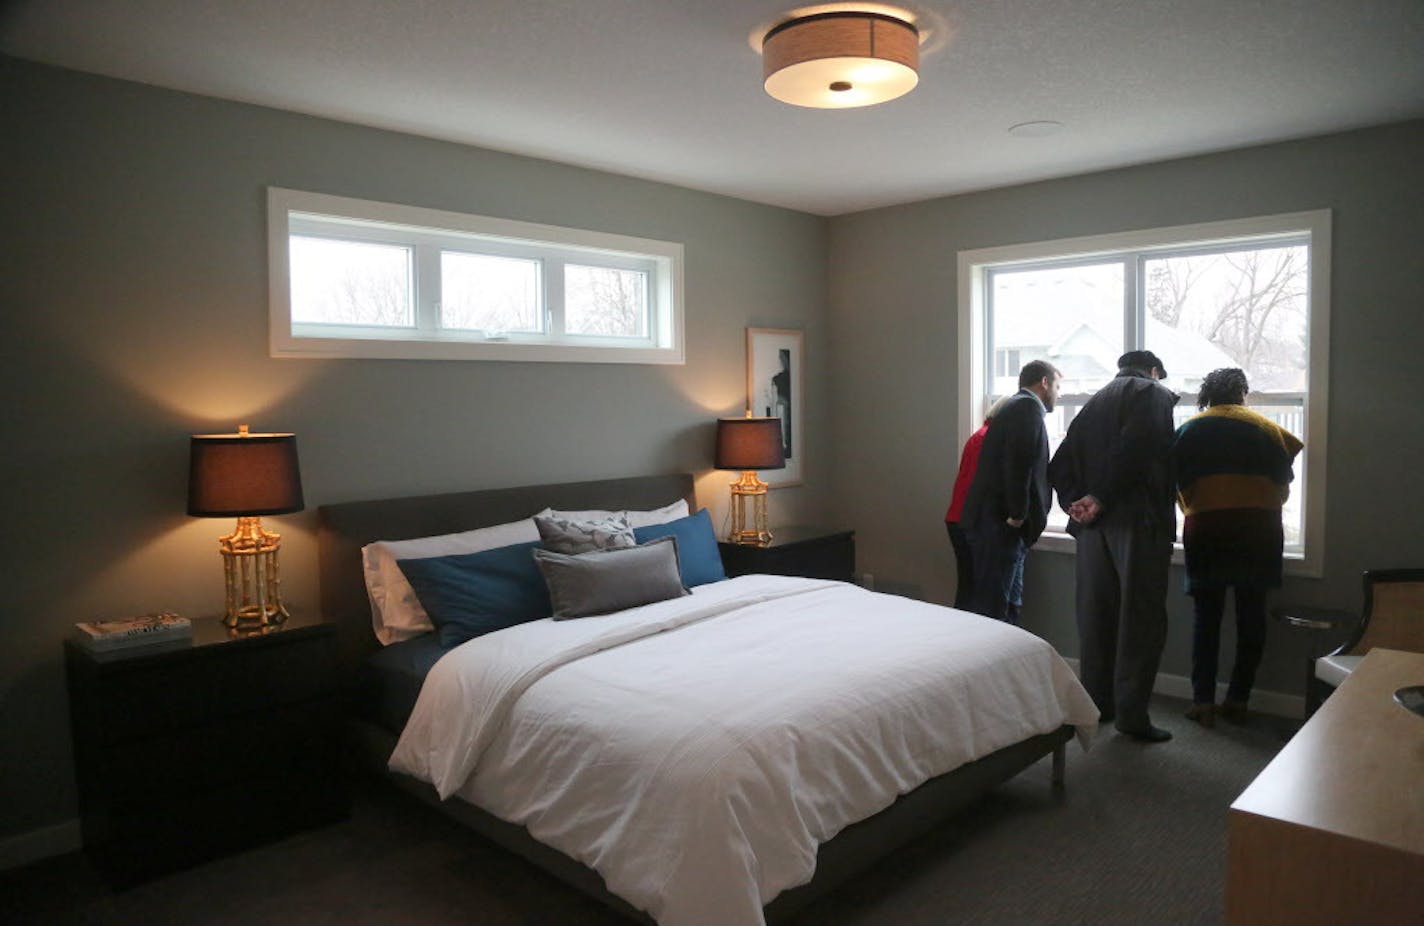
998	554
1015	595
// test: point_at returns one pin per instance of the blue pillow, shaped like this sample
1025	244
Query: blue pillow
470	594
698	559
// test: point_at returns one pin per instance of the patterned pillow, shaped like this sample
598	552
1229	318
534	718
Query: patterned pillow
566	535
669	512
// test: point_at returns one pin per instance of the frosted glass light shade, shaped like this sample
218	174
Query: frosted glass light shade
841	60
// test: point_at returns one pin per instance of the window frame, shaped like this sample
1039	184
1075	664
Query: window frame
1313	227
428	233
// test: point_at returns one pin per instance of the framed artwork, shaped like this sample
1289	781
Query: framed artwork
775	389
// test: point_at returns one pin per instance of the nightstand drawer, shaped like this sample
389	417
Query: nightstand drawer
811	552
142	698
171	832
260	750
832	562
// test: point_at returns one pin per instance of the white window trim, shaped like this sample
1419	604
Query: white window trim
665	290
1315	224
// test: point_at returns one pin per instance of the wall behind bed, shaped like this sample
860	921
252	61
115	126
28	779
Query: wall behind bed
135	313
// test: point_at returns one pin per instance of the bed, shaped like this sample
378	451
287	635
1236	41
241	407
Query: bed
816	811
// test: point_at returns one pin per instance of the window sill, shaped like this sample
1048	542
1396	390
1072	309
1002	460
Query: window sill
1059	542
414	349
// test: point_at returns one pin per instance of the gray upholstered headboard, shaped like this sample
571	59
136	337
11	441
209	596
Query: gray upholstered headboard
346	528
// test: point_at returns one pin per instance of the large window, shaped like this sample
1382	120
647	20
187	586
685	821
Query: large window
352	278
1252	294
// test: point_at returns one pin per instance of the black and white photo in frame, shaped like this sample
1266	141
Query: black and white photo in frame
775	357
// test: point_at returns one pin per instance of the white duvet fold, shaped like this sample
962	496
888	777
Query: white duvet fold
696	752
467	696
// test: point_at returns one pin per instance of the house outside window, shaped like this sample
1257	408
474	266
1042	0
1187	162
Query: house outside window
1250	293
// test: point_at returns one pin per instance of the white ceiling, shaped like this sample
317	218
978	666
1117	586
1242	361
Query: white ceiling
670	90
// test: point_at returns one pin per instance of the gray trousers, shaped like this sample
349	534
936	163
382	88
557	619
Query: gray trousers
1122	569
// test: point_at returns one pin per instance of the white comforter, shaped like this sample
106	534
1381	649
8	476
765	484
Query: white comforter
695	752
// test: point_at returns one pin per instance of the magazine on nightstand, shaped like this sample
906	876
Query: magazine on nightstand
162	627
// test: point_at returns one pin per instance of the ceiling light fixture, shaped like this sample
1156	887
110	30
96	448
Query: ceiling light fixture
841	59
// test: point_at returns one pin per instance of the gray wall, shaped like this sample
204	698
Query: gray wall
895	351
134	297
133	302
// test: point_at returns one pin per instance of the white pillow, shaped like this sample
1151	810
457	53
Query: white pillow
677	509
666	513
396	613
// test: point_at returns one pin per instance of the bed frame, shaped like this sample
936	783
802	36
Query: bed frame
345	528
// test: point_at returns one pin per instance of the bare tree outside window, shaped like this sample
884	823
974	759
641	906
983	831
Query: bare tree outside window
495	295
1251	304
350	283
1168	286
605	301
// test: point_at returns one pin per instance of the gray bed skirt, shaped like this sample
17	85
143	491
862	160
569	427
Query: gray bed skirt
853	850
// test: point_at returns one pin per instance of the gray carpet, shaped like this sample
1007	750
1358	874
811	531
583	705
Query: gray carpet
1139	836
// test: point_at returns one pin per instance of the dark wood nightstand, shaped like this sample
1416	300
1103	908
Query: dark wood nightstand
813	552
186	751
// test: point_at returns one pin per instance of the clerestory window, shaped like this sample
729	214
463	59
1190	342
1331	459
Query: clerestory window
353	278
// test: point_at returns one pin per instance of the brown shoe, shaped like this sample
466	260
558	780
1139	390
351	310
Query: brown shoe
1234	712
1204	714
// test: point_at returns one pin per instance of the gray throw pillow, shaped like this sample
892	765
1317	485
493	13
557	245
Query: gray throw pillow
611	580
565	535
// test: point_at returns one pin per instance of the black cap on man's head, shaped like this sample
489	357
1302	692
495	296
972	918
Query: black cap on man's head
1143	360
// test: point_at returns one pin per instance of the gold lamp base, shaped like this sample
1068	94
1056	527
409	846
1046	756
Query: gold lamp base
749	488
254	585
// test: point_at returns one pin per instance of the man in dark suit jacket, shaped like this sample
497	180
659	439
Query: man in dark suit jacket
1007	505
1112	473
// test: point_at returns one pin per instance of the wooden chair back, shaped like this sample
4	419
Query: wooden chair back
1394	612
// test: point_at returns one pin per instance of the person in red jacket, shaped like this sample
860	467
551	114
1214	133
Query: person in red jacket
968	463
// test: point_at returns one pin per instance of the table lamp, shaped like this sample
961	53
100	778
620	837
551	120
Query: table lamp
749	444
245	476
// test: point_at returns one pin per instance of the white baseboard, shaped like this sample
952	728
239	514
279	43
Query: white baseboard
1267	702
40	844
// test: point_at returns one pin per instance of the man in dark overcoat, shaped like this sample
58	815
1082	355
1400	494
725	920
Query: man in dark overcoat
1007	505
1112	475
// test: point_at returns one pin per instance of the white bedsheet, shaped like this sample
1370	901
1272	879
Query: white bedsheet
696	752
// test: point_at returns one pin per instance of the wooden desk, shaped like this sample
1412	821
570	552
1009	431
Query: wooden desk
1332	831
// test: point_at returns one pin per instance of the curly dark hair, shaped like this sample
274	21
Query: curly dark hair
1226	386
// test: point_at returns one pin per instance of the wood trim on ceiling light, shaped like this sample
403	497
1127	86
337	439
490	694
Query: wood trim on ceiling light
841	59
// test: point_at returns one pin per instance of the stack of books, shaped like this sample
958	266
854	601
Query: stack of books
146	629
